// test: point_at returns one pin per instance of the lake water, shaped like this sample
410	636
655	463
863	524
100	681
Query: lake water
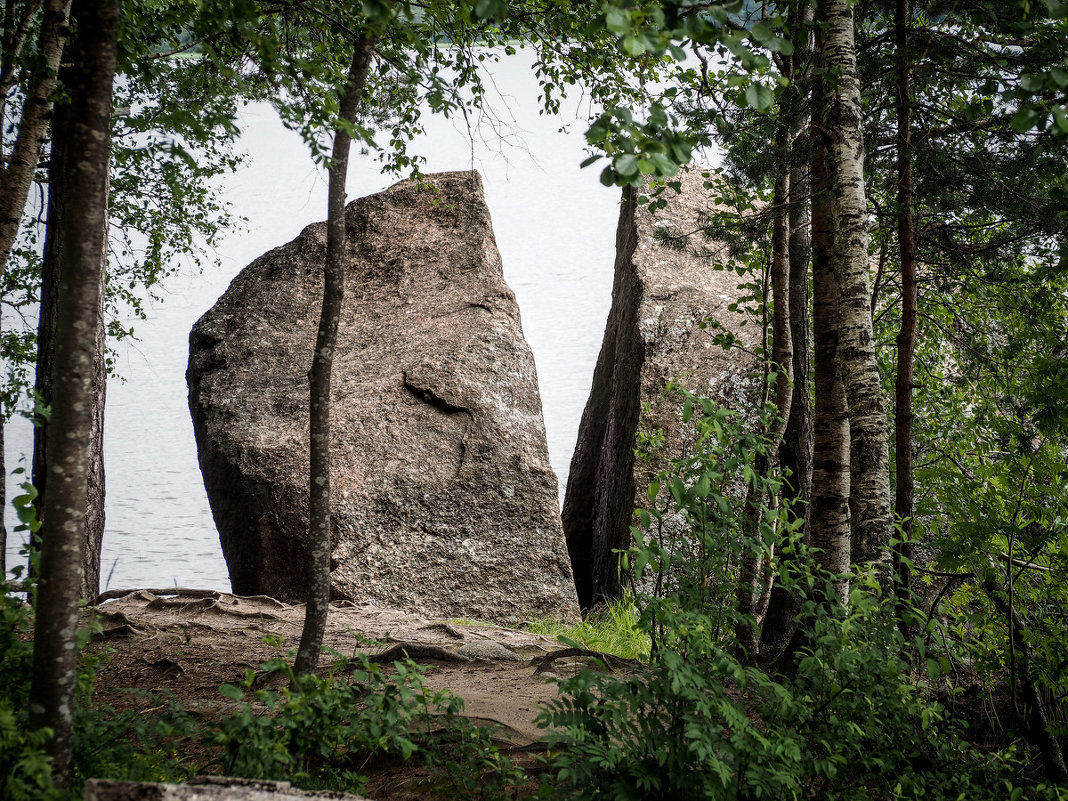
555	228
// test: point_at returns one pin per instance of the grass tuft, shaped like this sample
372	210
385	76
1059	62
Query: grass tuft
612	629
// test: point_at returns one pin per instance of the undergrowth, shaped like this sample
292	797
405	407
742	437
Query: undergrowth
844	719
319	733
611	629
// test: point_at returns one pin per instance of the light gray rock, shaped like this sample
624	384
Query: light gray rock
213	788
488	651
444	500
665	285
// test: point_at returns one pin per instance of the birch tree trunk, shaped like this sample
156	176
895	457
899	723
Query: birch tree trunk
55	655
829	510
906	339
18	173
319	534
869	498
795	451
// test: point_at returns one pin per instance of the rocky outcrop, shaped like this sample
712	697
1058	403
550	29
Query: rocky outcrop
444	500
665	285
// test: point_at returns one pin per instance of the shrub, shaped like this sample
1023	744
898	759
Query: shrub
847	722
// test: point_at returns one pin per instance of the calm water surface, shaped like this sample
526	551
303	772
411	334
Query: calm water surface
555	228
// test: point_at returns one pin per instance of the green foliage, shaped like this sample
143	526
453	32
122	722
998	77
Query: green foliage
323	732
612	629
693	537
848	720
25	770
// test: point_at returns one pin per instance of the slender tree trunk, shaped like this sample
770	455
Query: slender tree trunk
906	339
750	584
829	510
18	23
319	535
795	452
33	126
46	343
55	656
17	174
869	498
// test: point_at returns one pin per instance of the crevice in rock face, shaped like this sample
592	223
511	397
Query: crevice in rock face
661	293
432	398
600	488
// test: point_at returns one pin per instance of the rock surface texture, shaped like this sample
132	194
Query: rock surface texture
214	788
444	500
665	284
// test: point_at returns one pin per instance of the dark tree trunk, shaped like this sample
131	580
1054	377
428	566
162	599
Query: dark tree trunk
55	656
17	174
750	582
795	452
906	339
46	343
319	533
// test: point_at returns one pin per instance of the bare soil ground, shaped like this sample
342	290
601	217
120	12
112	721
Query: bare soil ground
189	642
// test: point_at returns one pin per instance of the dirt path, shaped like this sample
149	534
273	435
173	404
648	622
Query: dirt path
191	641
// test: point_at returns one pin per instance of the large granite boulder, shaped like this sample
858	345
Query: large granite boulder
666	284
444	500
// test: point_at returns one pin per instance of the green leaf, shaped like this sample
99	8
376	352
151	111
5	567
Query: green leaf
761	32
617	20
703	486
491	9
570	643
665	167
1024	120
232	692
1032	83
635	45
779	45
626	164
759	96
1061	118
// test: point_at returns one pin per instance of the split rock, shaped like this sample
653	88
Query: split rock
666	283
444	502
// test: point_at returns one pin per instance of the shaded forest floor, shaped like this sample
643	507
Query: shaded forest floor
188	643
